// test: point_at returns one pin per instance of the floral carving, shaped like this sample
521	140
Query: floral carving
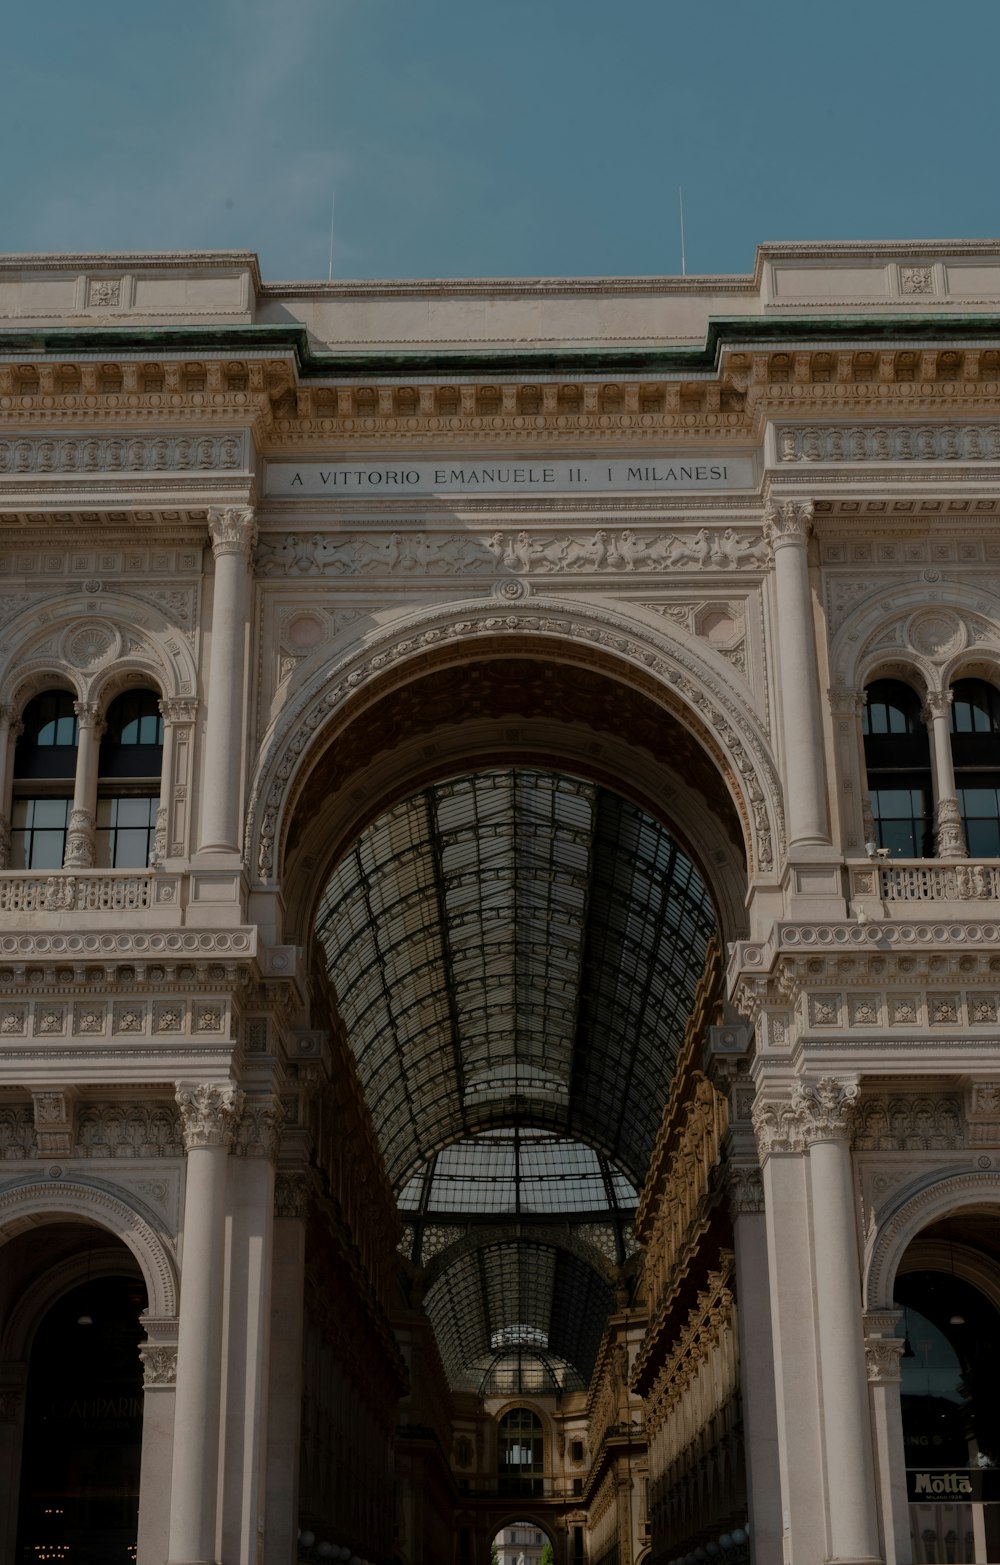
813	1111
159	1365
209	1114
232	530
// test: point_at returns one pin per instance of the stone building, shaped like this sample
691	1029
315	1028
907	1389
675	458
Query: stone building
499	979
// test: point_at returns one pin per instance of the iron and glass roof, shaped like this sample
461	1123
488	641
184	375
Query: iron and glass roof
515	954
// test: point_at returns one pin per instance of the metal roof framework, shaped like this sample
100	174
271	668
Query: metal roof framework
515	954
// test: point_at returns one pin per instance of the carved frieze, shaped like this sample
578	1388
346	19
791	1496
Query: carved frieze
603	551
128	1130
858	443
78	457
909	1122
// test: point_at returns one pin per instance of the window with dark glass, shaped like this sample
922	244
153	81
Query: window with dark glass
898	764
975	750
44	770
520	1459
130	764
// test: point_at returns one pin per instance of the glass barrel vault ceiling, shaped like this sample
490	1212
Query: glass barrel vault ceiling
515	955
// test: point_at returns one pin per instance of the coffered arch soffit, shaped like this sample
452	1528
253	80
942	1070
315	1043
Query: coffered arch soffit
97	654
896	633
687	692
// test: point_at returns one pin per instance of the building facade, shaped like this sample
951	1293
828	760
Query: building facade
499	982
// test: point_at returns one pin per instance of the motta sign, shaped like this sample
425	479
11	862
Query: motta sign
642	475
944	1485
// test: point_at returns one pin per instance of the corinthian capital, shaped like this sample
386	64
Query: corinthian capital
937	703
826	1108
813	1111
232	529
90	715
210	1113
788	522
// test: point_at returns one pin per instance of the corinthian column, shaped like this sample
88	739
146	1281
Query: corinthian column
80	833
949	838
824	1111
209	1115
233	532
787	527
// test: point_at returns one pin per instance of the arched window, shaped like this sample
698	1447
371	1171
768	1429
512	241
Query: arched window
520	1452
898	763
975	750
128	789
44	769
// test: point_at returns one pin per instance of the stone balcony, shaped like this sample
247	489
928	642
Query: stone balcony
912	888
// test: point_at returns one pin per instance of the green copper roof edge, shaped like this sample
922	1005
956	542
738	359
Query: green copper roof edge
726	331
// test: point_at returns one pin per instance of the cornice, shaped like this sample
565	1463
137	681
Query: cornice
735	332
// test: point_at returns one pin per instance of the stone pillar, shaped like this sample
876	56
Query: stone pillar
159	1376
726	1061
825	1111
249	1323
284	1405
233	533
753	1304
949	838
798	1402
178	715
10	729
209	1114
82	818
787	527
883	1351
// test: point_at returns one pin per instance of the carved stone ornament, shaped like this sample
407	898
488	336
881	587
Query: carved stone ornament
90	643
882	1358
949	835
600	552
856	443
11	1404
936	634
80	840
178	709
813	1111
232	530
257	1132
159	1366
120	454
788	522
209	1114
744	1190
291	1195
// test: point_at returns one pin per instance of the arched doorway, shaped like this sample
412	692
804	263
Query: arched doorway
72	1337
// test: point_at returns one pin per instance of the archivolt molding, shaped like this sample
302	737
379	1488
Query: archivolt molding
23	1205
693	692
916	1206
896	629
95	648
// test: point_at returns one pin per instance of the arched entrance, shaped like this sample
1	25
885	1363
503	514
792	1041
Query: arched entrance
512	870
87	1368
75	1382
939	1253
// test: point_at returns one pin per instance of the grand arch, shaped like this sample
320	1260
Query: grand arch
317	764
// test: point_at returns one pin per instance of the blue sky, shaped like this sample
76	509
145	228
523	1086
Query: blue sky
519	137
